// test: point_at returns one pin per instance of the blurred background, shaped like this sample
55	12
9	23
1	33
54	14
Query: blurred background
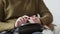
54	7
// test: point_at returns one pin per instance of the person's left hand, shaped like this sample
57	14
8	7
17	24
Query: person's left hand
34	19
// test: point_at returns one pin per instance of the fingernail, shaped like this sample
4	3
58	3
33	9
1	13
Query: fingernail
26	17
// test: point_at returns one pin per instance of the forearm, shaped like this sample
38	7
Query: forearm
46	19
45	14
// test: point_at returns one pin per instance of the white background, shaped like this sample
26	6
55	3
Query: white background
54	7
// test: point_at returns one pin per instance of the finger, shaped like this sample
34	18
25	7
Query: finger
21	20
17	23
25	20
25	16
31	20
20	24
36	20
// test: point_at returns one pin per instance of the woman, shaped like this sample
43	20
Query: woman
17	8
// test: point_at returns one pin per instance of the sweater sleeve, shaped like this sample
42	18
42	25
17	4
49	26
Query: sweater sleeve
45	14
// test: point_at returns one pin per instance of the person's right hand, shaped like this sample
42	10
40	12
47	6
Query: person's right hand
21	21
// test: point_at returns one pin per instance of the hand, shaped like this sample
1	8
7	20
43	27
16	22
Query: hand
21	21
34	19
